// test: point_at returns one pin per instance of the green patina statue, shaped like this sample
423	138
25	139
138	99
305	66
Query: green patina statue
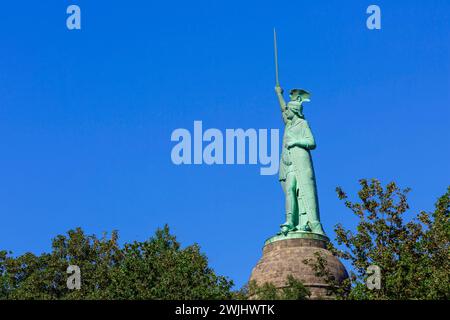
296	168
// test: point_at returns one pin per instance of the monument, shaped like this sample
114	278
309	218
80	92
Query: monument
302	234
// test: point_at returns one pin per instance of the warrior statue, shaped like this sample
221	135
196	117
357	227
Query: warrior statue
296	168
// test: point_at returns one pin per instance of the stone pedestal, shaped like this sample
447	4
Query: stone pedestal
283	257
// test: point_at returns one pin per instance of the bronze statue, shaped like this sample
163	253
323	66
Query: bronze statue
296	172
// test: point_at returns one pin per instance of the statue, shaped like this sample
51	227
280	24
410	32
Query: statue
296	172
301	236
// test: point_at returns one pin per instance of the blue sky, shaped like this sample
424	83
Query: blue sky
86	116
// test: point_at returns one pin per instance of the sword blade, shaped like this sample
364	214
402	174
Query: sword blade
276	56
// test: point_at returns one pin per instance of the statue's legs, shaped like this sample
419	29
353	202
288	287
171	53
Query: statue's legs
290	191
313	212
308	203
303	218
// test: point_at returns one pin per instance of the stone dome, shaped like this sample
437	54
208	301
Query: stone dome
285	257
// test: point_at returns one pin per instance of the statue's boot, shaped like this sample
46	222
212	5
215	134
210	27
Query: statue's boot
288	225
305	228
286	228
316	227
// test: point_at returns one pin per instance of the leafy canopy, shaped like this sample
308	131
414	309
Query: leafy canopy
154	269
414	256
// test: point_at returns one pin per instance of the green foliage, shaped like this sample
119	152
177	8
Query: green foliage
294	290
160	269
267	291
413	256
337	289
154	269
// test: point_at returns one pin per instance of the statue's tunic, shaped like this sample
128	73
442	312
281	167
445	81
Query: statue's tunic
297	160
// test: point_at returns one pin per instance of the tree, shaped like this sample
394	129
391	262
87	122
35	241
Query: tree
160	269
154	269
413	256
294	290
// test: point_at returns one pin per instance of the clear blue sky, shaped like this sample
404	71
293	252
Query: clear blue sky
86	116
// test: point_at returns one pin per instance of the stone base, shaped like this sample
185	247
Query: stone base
297	235
285	257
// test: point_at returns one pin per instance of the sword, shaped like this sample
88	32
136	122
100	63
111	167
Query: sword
276	56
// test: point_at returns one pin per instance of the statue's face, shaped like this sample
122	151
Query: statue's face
289	114
294	105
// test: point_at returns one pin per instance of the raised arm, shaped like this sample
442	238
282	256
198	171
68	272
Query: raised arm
279	92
